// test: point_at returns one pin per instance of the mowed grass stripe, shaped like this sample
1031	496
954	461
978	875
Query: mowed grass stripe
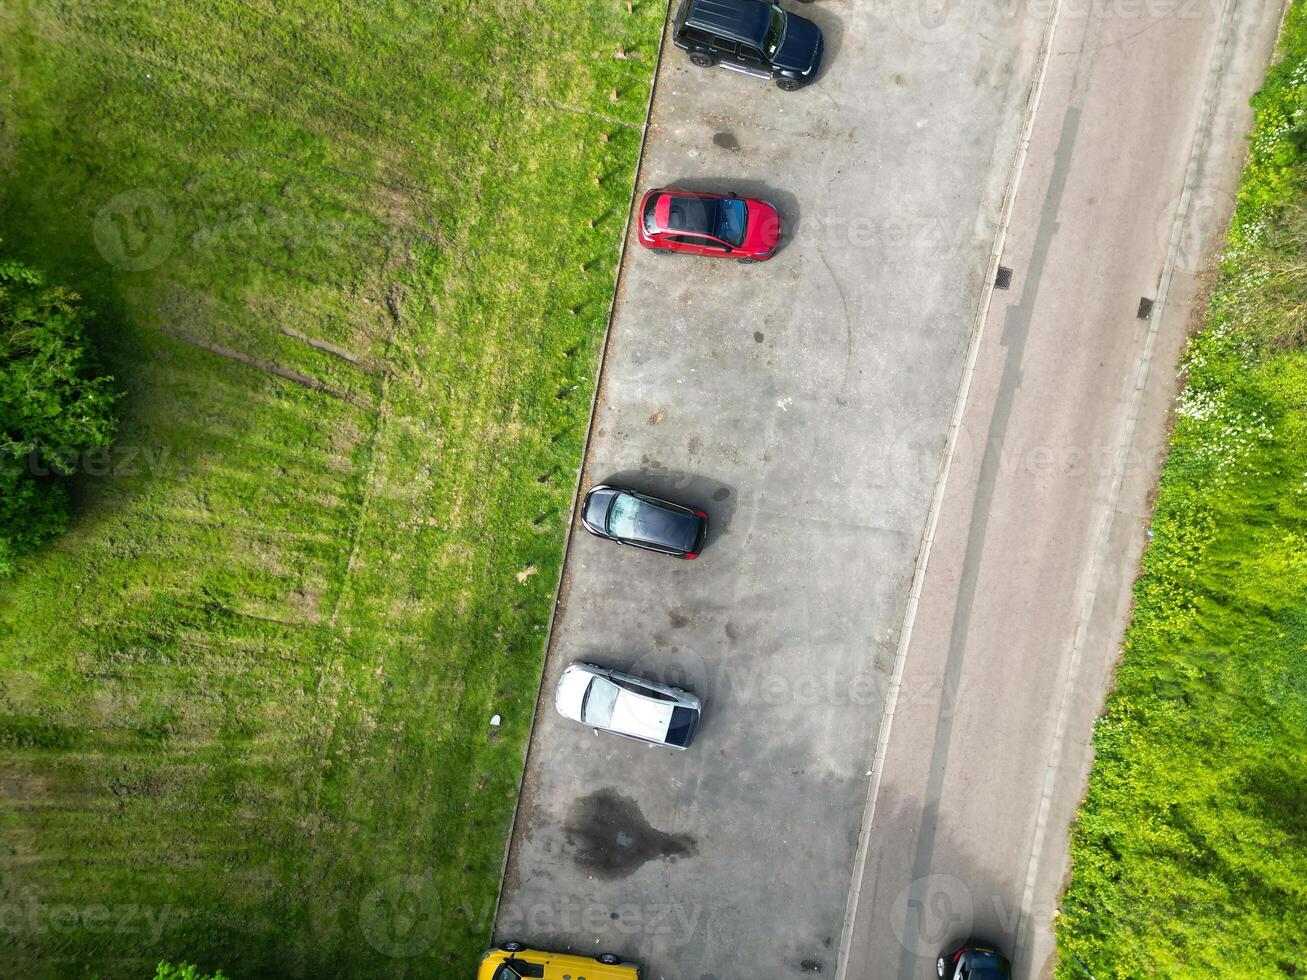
254	682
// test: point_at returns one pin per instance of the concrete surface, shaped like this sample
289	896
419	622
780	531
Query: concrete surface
804	404
1135	151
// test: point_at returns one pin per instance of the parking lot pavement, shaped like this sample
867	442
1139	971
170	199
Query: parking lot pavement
804	404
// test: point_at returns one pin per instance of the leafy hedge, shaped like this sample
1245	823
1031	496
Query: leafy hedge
1189	856
55	406
184	971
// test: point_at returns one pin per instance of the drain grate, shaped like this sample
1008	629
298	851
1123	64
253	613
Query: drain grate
1004	278
1145	308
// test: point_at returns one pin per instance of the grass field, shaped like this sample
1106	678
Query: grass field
352	263
1189	857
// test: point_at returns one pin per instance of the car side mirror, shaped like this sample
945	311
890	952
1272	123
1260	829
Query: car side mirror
732	194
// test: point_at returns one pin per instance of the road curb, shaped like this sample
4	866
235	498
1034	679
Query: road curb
582	466
936	503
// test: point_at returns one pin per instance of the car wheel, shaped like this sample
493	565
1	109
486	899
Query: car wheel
787	84
939	966
746	261
512	946
659	250
703	59
608	959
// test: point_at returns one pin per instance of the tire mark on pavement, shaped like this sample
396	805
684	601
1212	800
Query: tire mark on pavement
848	321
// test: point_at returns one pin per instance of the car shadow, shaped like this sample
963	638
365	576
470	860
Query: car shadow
785	202
712	496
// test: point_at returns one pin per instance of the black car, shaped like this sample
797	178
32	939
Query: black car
750	36
974	961
628	517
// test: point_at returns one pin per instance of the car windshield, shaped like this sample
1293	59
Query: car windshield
730	221
622	518
775	31
682	725
597	707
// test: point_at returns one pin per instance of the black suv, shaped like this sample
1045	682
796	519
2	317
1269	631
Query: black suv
750	36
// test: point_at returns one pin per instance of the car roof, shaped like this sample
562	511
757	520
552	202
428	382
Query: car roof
662	523
744	20
688	213
642	717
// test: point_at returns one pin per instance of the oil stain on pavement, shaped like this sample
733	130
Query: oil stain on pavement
611	837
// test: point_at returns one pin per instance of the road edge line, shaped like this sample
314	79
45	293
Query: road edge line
937	498
1197	153
602	363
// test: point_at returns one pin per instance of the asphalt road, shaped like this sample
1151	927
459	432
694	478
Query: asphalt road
803	403
1136	146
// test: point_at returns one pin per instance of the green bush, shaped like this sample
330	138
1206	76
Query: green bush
55	405
184	971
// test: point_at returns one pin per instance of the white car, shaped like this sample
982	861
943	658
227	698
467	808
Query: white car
610	701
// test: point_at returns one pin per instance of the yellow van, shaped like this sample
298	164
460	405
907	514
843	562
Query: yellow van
511	962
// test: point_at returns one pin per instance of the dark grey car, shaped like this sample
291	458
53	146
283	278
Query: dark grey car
630	517
973	961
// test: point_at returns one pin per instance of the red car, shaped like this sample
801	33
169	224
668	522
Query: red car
723	225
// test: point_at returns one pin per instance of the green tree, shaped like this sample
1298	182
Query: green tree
55	405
